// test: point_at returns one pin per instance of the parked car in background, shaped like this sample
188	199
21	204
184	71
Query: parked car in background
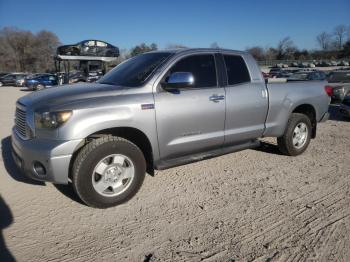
345	106
41	81
324	63
79	76
307	76
3	74
334	63
338	85
303	65
274	72
89	48
285	73
317	75
344	63
12	79
94	76
20	80
76	77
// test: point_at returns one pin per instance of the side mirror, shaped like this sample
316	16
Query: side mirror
179	80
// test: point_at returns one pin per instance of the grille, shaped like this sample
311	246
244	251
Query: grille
20	122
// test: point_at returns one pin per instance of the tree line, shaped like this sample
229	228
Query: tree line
334	45
25	51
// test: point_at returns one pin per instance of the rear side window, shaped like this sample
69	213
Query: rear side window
237	71
201	66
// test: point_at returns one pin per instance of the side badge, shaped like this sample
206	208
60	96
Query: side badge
147	106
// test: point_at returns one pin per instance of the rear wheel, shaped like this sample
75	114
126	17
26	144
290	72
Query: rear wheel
108	171
297	136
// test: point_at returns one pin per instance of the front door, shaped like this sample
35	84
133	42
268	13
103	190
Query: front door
191	120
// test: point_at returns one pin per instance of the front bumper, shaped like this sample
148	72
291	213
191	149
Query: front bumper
54	155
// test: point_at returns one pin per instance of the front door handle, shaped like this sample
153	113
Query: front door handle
216	98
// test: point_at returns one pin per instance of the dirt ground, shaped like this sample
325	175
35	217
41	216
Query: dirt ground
254	205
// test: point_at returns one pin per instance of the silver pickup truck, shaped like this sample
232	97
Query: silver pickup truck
158	110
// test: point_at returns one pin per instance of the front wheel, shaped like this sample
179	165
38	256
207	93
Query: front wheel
1	84
108	171
297	135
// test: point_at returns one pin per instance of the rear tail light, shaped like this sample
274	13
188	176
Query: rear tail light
329	90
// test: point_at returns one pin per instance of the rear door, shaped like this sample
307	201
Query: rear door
188	119
246	102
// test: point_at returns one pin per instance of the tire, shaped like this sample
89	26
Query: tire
1	84
286	143
39	87
86	175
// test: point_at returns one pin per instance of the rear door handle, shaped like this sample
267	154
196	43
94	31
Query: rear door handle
216	98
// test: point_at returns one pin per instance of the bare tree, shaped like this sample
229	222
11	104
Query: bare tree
46	43
271	53
286	48
143	48
27	52
257	52
324	39
340	33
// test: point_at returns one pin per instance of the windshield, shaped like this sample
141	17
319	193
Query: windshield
135	71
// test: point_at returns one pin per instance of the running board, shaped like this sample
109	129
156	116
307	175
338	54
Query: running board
205	155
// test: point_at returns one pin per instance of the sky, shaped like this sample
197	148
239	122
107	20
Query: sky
231	24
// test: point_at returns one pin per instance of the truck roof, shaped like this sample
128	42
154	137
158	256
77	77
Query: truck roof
188	50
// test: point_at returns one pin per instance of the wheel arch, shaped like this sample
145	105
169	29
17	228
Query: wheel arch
132	134
310	112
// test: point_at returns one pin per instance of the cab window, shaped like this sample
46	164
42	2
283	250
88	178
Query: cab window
236	68
202	68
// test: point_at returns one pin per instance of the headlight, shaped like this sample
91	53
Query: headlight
51	120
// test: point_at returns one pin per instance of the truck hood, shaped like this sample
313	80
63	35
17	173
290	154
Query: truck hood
66	94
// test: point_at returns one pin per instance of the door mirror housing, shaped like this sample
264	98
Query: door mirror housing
179	80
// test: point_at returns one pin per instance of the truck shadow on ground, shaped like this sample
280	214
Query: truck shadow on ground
68	191
10	165
6	220
268	147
